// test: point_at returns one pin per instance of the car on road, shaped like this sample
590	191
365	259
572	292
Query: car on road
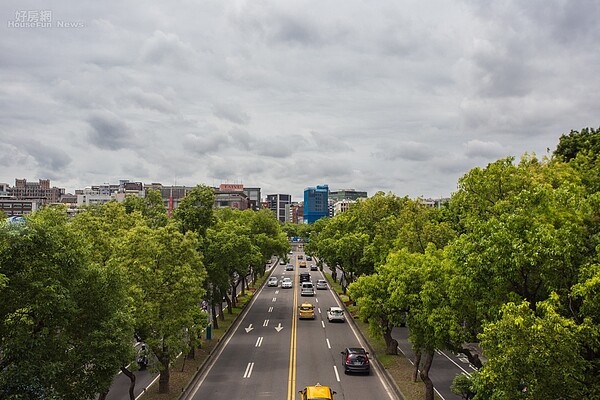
306	311
321	284
356	359
307	289
308	258
313	267
317	392
273	281
289	267
282	261
300	256
302	264
304	277
286	283
335	314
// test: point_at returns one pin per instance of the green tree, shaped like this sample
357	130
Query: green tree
167	276
63	328
151	207
195	211
532	353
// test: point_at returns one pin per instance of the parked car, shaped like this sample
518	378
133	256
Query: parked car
321	284
356	359
273	281
306	311
286	283
335	314
317	392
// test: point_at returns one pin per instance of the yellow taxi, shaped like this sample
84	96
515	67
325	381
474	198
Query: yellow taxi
306	311
317	392
302	264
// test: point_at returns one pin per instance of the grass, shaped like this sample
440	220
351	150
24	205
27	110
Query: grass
399	367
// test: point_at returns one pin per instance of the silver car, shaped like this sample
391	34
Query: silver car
321	284
286	283
335	314
272	281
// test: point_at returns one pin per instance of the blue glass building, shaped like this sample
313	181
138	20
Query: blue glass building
316	203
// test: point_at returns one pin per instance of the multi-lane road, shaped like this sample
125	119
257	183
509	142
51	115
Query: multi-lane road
272	355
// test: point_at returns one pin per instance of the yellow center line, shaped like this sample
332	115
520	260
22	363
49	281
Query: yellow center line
292	370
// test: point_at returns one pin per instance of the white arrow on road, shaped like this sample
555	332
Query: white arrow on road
278	328
249	328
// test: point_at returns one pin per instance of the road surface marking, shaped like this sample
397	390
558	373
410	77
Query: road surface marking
266	323
323	324
258	341
278	328
274	299
337	376
249	328
328	344
248	370
270	309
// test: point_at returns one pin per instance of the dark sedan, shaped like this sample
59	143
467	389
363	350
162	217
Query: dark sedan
356	359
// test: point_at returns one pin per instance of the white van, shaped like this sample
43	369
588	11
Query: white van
307	289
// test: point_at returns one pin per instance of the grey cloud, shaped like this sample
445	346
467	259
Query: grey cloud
153	101
479	148
167	48
205	143
325	142
109	132
409	150
47	158
231	112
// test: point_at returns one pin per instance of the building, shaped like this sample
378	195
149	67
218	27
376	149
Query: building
277	204
254	196
232	196
316	203
296	213
341	206
434	203
40	190
347	194
18	207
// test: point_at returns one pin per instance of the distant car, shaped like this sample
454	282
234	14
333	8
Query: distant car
317	392
286	283
289	267
313	267
304	277
321	284
308	258
272	281
306	311
355	359
335	314
300	256
302	264
307	289
282	261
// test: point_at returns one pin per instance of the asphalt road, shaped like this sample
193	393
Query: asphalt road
272	355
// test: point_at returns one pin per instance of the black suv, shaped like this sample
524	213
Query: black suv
304	277
355	359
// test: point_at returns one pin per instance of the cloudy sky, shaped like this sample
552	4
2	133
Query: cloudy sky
400	96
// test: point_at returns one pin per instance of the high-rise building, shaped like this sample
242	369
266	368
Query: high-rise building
36	190
347	194
277	203
316	203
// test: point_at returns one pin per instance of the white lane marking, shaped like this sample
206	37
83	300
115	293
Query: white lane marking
248	370
274	299
277	292
337	376
455	363
317	300
319	309
323	324
328	344
249	328
258	341
270	309
278	328
266	323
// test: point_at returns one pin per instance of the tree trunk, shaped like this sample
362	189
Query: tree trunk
102	396
229	305
425	375
391	344
213	310
417	364
243	286
165	373
131	377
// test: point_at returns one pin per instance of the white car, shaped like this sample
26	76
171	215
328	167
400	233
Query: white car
321	284
272	281
335	314
286	283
